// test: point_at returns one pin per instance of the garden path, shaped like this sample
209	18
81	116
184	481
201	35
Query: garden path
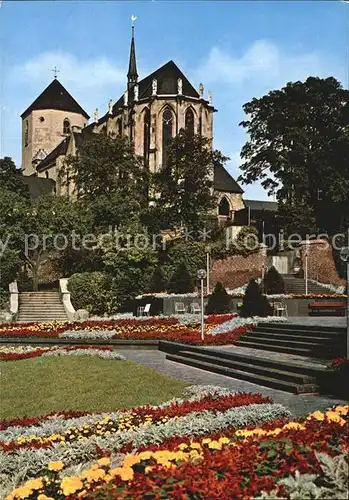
299	405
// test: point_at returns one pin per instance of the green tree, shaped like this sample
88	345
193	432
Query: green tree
254	303
181	280
190	253
273	282
220	301
129	259
50	225
11	179
299	148
158	281
183	186
109	177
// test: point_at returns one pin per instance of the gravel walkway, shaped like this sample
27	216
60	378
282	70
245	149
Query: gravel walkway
298	405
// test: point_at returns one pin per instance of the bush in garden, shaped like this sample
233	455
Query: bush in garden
158	281
92	291
273	282
220	301
181	280
254	303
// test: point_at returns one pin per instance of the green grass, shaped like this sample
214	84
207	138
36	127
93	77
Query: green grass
38	386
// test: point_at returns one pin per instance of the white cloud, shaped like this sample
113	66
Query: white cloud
84	74
261	63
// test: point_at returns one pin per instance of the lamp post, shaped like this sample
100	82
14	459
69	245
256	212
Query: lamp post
202	275
306	269
345	257
208	249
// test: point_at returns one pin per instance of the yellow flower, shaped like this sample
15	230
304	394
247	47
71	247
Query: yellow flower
145	455
215	445
55	466
195	446
34	484
224	440
104	461
342	410
22	492
44	497
94	474
70	485
130	460
318	415
334	417
294	425
126	474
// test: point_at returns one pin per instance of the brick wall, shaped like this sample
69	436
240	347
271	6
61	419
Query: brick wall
321	266
236	270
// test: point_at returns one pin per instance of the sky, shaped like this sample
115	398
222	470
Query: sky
237	49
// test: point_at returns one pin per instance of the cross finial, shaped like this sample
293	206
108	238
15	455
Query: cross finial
55	71
133	18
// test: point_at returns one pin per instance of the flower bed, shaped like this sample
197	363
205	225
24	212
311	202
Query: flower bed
129	329
80	439
25	352
275	456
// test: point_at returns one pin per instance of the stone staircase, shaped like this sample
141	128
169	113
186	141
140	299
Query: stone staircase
318	342
40	307
296	285
288	357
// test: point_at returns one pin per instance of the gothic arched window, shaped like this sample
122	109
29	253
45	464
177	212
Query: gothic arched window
224	207
167	132
189	122
146	136
66	126
119	127
26	133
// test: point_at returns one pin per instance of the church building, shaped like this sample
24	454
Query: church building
150	112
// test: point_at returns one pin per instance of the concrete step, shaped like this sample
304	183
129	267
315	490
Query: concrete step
308	337
252	367
255	378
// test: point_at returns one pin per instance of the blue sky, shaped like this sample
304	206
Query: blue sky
238	50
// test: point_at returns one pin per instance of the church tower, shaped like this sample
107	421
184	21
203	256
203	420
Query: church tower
46	122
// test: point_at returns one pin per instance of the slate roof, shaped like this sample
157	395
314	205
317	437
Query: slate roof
55	96
258	205
38	186
223	181
59	150
166	76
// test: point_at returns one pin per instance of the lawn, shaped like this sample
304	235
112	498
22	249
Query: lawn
39	386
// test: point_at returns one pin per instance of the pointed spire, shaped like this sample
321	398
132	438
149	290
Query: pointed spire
132	75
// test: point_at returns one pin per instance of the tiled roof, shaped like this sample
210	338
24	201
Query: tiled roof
269	206
223	181
167	77
59	150
55	96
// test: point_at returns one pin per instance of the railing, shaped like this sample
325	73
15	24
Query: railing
65	297
13	288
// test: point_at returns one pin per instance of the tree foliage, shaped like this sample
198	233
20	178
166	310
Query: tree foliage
183	186
10	178
109	177
181	281
254	303
299	148
220	301
273	282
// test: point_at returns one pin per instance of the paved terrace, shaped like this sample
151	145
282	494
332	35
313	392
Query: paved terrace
299	405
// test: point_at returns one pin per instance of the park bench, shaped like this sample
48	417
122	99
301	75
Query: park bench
327	308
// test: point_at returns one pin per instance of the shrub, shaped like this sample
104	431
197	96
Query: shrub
158	281
254	303
220	301
92	291
273	282
181	281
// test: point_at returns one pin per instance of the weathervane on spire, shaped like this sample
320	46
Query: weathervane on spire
55	71
133	18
